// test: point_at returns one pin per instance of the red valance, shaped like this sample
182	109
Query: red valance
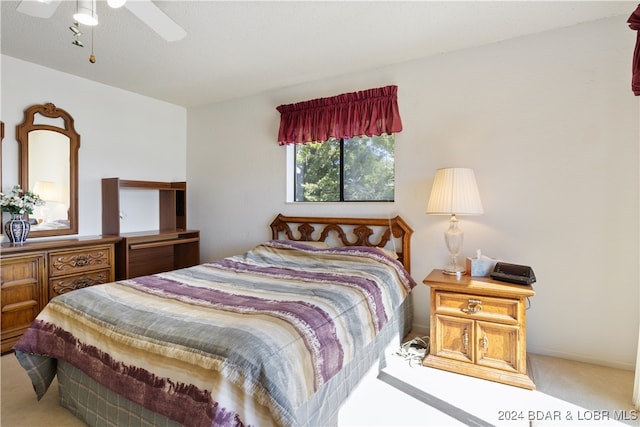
369	112
634	24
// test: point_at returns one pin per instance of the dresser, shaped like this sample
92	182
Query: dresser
33	273
478	328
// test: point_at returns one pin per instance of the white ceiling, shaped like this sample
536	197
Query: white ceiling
238	48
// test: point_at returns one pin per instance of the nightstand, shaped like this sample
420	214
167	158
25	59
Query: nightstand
478	328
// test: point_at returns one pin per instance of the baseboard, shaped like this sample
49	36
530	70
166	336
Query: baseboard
581	358
420	329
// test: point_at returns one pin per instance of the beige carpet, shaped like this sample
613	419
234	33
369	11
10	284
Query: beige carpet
559	382
19	406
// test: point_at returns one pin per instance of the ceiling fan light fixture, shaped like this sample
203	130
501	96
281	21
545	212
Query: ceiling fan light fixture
86	12
116	3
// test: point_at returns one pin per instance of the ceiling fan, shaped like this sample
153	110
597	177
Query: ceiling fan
145	10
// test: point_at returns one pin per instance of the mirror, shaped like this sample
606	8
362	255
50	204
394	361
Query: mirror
49	167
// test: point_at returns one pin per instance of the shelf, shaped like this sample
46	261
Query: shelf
135	246
149	252
151	185
172	203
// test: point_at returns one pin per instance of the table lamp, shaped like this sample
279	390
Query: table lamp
454	192
48	191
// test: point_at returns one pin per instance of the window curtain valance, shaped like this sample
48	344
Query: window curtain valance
634	24
369	112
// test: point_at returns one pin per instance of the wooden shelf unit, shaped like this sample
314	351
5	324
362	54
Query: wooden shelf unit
141	253
172	206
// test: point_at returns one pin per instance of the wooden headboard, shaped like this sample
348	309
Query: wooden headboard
349	232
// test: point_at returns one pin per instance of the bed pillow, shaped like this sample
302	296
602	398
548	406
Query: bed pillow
323	245
390	252
317	245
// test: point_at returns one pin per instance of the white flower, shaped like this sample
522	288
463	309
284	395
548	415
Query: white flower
19	201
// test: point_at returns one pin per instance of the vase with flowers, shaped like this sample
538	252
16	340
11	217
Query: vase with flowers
18	203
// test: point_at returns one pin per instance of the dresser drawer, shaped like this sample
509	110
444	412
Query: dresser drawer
62	263
65	284
22	295
504	310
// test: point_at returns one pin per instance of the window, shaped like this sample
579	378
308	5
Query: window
345	170
340	166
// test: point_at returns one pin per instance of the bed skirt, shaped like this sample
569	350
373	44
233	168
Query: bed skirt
98	406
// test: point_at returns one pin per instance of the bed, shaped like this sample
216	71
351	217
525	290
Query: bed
278	335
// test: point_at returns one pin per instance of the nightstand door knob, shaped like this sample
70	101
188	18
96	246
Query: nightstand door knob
485	343
473	306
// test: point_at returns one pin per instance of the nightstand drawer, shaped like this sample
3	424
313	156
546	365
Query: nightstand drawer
478	307
62	263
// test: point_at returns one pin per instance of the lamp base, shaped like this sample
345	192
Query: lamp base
453	237
454	270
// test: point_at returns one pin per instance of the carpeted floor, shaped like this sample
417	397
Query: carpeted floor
411	395
568	394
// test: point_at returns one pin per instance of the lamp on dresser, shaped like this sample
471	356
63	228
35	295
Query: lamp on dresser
454	192
48	191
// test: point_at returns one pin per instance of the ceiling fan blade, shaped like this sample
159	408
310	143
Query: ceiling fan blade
39	9
156	19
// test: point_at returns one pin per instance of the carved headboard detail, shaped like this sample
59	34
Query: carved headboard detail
377	232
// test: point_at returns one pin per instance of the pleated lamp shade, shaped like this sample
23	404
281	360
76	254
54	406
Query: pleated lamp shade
455	191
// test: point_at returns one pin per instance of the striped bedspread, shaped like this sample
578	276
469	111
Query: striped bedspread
244	340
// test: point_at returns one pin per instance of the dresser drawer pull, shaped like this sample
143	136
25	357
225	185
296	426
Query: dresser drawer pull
473	306
465	340
83	283
82	260
63	286
485	343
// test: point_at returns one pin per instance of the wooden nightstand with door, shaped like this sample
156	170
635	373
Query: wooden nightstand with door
478	328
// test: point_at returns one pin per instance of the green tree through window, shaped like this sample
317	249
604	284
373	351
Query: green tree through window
354	169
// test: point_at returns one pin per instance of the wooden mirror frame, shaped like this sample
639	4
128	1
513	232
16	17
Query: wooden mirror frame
22	136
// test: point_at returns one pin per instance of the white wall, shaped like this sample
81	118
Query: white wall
550	126
548	122
123	135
